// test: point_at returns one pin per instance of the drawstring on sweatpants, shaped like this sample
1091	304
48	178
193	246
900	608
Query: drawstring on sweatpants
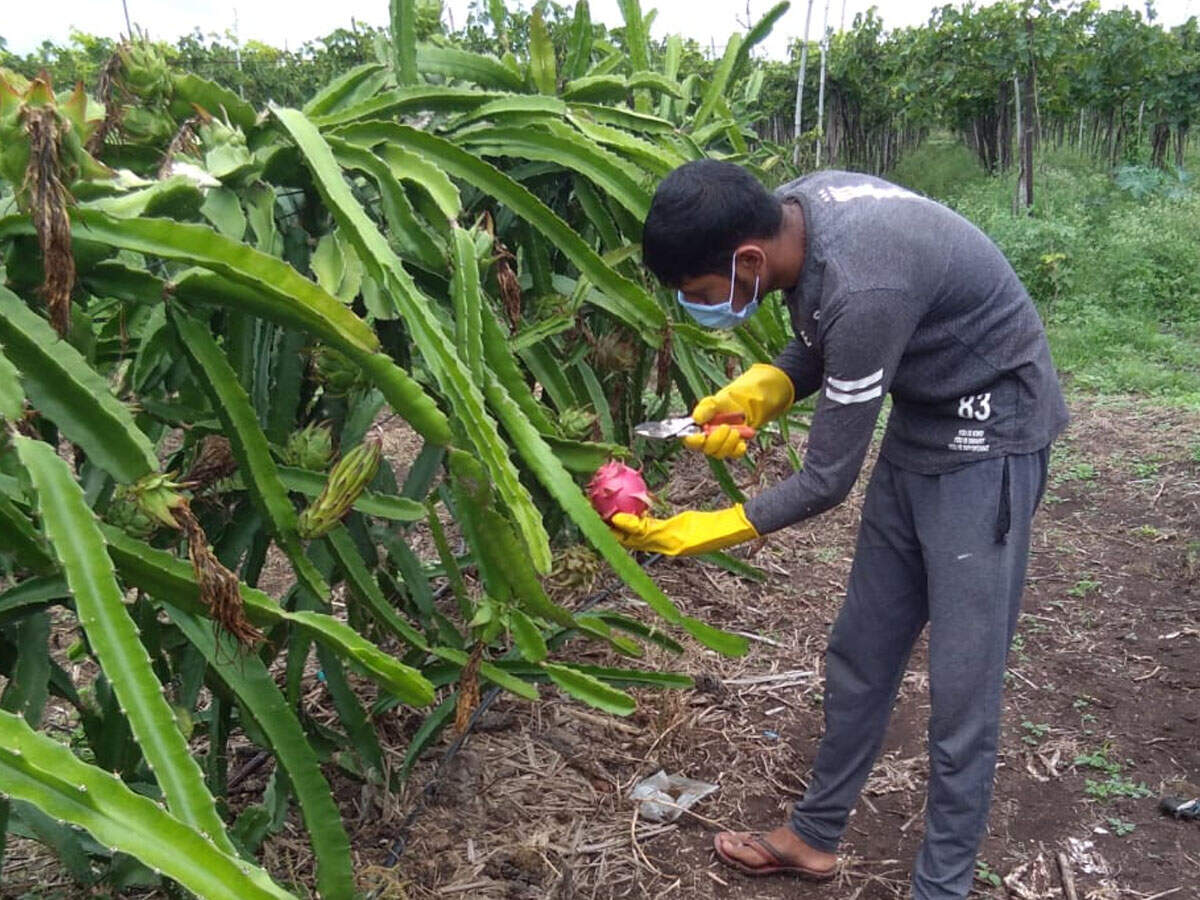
1004	515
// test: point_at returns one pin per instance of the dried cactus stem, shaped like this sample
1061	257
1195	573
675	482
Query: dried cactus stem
613	352
219	589
663	364
27	425
48	198
113	111
506	280
184	141
468	690
214	461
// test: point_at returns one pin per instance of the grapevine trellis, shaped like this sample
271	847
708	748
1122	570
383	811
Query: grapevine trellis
1112	84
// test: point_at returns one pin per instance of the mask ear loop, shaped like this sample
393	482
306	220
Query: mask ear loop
732	282
732	279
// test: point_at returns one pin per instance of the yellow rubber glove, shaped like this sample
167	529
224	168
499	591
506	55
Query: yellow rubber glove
759	394
685	534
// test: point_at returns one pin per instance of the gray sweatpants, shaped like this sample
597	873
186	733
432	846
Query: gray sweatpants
950	550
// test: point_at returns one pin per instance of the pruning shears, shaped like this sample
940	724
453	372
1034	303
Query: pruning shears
682	426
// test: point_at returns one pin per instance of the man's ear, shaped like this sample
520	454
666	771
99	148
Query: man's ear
751	260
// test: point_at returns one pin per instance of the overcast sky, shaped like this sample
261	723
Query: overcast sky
24	25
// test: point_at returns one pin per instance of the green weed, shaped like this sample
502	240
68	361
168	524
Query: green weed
1098	759
1034	626
1120	827
1116	786
1080	472
1143	182
985	873
1083	587
1034	732
827	554
1146	469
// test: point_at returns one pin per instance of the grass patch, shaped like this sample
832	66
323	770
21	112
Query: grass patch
1109	258
940	168
1114	353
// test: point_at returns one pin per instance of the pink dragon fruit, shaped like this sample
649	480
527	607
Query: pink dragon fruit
618	488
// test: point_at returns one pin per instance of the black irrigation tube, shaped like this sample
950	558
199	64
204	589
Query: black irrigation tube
401	841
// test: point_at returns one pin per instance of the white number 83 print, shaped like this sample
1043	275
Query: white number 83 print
975	406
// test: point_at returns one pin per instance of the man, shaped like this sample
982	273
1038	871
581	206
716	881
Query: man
888	292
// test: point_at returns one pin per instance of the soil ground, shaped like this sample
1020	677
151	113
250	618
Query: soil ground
1105	665
1101	703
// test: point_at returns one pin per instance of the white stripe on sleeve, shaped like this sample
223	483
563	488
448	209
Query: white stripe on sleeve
860	397
839	385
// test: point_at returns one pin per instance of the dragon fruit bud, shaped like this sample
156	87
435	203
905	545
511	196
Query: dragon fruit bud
618	488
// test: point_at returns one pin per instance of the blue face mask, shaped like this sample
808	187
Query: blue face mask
721	315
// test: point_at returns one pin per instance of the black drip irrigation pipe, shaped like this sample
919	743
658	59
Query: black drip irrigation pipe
400	844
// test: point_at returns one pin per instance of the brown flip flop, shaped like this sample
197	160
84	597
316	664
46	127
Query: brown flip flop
780	865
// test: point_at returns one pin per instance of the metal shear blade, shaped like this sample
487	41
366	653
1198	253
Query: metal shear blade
666	429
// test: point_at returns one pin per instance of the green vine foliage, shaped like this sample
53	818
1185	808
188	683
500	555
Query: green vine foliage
1114	84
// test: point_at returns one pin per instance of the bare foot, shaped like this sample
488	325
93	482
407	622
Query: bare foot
778	851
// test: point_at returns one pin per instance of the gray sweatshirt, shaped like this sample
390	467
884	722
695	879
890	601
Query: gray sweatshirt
901	295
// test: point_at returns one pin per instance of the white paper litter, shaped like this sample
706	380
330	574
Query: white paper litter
1085	857
664	797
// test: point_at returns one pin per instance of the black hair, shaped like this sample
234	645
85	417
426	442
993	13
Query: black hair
701	212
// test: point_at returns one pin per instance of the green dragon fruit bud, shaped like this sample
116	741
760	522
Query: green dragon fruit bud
77	160
225	151
337	373
126	513
14	82
145	73
14	144
146	126
309	448
349	478
156	496
576	422
76	116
